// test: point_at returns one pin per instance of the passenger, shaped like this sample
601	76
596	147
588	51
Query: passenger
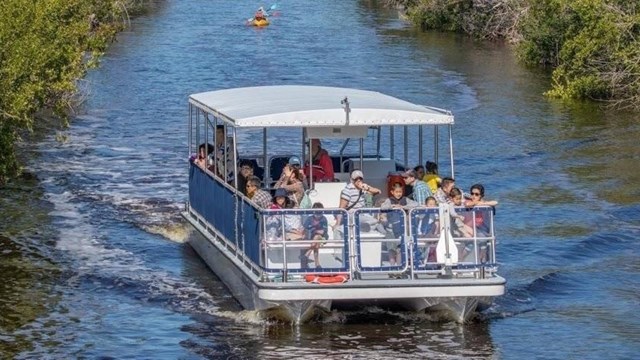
321	164
397	201
431	176
420	189
274	222
280	200
430	227
352	197
246	171
292	224
394	220
430	224
420	172
291	181
294	162
204	150
316	228
477	197
478	219
260	197
442	194
458	227
224	155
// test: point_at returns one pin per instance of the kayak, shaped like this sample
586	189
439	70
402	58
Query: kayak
261	22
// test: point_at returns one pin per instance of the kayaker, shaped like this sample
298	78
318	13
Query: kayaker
260	14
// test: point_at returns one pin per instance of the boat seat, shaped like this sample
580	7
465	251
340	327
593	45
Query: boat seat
328	193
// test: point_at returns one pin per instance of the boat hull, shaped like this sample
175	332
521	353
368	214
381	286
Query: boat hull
297	302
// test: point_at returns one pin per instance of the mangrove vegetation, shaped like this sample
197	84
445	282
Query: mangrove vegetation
46	48
592	46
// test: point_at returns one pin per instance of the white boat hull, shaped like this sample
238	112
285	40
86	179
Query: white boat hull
297	302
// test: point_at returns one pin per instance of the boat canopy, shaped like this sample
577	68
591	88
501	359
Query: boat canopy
314	106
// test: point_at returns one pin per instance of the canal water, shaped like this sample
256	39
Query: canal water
92	250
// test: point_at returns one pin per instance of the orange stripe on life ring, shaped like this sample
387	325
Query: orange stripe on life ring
326	279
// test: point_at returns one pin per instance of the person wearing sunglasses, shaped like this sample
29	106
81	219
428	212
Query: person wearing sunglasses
477	197
260	197
477	221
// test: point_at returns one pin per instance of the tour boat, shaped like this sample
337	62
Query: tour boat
439	271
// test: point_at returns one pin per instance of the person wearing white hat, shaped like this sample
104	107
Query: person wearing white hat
352	196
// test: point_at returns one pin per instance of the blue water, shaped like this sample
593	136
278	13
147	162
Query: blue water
100	270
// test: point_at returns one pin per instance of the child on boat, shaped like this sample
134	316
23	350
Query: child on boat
316	228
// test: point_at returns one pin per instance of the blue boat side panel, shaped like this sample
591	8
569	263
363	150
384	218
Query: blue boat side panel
249	226
216	203
198	189
213	201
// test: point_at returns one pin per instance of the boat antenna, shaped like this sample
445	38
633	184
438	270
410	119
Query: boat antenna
347	109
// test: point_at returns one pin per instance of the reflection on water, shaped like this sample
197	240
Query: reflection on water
29	274
384	336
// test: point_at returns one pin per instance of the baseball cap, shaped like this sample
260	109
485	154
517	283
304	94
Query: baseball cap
357	174
294	160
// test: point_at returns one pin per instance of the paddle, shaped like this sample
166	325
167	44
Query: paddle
266	12
446	250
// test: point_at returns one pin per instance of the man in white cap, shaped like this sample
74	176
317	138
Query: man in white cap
352	196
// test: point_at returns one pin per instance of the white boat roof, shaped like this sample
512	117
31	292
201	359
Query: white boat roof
314	106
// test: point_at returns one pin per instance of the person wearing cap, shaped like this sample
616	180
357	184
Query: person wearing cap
352	196
291	181
321	164
420	189
294	162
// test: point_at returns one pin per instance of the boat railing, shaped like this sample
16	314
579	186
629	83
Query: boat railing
380	241
289	238
374	246
473	236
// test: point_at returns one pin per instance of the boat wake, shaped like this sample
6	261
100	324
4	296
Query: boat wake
100	265
154	215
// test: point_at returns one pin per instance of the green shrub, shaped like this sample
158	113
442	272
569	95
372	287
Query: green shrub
47	46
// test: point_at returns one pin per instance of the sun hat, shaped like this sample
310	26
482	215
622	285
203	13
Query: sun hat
357	174
280	192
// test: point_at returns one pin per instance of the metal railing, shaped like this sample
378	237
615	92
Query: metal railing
370	243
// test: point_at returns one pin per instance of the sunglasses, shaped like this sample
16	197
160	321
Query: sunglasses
475	194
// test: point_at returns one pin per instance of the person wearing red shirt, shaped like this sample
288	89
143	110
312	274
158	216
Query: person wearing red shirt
321	162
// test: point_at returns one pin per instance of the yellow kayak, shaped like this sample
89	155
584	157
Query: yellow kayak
261	22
